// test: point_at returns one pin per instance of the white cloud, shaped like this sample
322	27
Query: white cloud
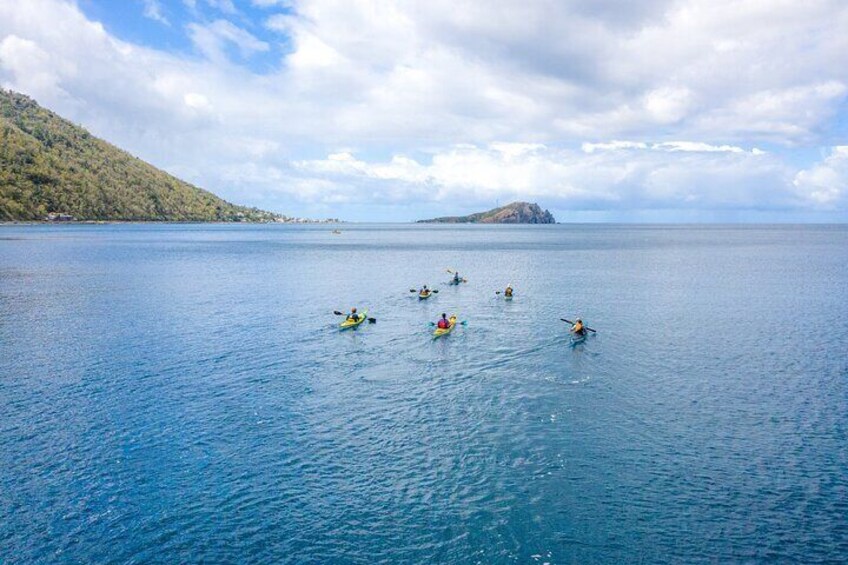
153	10
225	6
826	183
272	3
655	177
667	146
211	39
30	66
196	101
491	96
668	105
613	146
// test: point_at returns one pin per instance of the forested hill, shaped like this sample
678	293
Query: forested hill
515	213
48	165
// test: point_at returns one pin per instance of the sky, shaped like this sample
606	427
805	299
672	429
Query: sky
650	111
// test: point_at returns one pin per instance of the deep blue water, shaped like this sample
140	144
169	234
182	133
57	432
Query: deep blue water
181	394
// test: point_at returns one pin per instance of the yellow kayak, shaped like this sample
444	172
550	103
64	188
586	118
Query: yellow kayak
445	331
353	323
424	295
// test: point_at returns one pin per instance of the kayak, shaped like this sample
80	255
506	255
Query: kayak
578	338
507	297
424	295
353	323
445	331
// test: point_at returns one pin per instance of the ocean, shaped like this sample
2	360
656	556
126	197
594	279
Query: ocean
183	394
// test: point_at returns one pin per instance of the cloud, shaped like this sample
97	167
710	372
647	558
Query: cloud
153	10
272	3
31	66
651	177
225	6
212	39
826	183
439	100
667	146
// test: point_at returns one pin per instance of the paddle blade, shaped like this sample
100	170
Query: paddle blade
434	291
372	320
337	313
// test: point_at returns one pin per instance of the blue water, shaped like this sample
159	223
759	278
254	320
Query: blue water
181	394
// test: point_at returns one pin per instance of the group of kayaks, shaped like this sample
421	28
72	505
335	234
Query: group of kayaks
579	331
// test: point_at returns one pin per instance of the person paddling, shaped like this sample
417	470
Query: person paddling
424	290
353	316
508	291
578	328
443	323
456	279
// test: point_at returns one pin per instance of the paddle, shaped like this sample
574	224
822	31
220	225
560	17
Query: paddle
460	280
431	290
462	323
584	327
370	320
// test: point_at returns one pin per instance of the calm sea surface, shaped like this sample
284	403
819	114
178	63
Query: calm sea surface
182	394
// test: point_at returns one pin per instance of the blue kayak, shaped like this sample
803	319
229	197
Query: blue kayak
578	338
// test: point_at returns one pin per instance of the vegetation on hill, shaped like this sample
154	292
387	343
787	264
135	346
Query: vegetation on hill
48	165
515	213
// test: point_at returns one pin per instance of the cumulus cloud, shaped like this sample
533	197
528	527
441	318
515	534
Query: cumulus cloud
652	177
31	66
826	183
467	100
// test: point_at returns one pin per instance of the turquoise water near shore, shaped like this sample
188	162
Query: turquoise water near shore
181	393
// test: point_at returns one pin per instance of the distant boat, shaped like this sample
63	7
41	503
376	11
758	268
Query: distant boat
336	231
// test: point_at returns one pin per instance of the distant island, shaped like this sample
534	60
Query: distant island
53	170
515	213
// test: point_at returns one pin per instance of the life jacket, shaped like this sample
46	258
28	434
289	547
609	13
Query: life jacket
578	328
443	324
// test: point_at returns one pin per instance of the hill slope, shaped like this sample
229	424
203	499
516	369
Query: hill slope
515	213
50	165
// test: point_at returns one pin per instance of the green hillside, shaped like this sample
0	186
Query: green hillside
515	213
49	165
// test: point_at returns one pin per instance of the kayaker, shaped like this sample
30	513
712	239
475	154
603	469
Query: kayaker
577	328
424	290
353	316
456	279
508	291
443	323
